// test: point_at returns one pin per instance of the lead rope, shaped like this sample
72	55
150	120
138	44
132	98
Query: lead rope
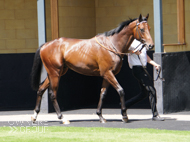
158	72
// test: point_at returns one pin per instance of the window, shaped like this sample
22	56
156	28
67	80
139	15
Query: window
171	24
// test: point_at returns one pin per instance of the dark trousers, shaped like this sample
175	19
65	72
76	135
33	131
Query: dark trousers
146	89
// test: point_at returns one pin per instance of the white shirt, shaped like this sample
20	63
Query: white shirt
133	59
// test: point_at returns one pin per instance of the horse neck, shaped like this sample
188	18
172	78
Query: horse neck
123	40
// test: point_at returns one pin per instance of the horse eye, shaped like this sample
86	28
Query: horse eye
142	30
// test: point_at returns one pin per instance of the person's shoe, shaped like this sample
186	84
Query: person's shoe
157	118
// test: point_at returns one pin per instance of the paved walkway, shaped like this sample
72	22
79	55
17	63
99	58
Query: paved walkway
138	118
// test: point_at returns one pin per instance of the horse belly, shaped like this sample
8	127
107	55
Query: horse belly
83	64
84	68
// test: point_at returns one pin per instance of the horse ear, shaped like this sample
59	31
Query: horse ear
140	18
147	17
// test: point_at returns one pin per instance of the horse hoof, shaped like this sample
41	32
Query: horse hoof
103	121
66	122
125	119
33	119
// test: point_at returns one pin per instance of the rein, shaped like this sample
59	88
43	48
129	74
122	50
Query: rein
157	71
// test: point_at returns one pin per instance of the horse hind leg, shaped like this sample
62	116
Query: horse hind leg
103	93
54	81
40	93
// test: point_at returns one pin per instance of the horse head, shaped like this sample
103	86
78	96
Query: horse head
141	32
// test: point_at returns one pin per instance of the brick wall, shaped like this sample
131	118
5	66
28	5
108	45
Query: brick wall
77	18
18	26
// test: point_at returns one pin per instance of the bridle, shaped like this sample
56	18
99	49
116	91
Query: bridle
137	32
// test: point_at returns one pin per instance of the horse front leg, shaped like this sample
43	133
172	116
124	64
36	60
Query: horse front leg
103	93
109	76
40	93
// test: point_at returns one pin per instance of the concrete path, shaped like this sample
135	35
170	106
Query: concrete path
138	118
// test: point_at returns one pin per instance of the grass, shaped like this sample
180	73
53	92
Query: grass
81	134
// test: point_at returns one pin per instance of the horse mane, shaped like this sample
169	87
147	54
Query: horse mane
119	28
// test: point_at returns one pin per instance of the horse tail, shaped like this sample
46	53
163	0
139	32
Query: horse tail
36	70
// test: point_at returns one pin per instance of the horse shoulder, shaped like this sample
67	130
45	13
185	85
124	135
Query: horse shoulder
109	61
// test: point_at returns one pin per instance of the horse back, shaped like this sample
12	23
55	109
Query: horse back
84	56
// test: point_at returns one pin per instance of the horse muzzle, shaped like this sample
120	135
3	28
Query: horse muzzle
150	46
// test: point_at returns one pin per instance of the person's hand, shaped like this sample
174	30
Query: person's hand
138	52
157	67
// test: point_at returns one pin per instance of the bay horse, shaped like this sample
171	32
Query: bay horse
99	56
